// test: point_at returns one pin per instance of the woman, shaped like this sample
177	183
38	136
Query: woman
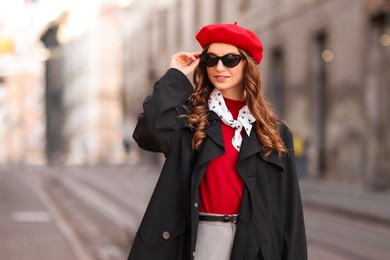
228	188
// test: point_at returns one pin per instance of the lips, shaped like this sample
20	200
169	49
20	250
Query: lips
221	77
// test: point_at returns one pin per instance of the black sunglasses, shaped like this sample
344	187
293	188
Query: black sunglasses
229	60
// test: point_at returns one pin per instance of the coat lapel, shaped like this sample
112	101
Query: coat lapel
251	145
214	131
211	148
248	166
213	144
273	158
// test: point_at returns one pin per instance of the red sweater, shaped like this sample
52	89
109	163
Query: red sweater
221	188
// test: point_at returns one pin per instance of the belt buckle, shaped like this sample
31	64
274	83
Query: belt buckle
230	218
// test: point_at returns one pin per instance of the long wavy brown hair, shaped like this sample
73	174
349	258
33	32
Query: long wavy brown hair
266	120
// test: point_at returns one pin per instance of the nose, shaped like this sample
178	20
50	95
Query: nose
220	65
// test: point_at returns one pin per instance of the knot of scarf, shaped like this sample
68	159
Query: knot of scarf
244	119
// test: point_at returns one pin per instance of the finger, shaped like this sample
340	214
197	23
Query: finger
195	63
183	55
195	55
190	68
181	60
189	55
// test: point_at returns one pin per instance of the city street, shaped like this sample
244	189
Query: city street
76	77
92	212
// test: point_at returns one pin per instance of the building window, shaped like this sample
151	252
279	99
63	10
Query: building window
377	99
321	55
276	90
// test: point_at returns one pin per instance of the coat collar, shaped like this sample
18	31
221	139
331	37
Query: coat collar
212	146
251	145
214	130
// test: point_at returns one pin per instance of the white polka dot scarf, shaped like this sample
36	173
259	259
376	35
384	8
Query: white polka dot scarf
244	119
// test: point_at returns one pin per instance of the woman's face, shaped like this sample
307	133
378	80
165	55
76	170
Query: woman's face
227	80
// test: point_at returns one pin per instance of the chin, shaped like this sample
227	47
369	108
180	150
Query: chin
220	86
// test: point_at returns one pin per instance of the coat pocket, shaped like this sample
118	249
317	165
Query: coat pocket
162	230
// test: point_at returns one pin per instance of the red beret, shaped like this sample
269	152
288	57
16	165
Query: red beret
234	35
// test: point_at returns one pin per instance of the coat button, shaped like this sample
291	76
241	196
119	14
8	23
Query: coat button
196	205
166	235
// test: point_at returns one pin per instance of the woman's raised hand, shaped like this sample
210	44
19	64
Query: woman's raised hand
185	61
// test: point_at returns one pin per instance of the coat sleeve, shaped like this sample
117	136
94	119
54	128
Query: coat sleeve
160	118
295	246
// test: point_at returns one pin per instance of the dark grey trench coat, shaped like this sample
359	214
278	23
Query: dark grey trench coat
271	224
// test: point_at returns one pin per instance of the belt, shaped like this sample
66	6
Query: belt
223	218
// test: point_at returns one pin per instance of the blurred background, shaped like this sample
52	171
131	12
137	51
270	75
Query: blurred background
73	75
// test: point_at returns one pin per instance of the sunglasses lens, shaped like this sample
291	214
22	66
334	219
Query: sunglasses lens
229	60
210	60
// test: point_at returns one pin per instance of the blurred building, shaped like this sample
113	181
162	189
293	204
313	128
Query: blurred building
326	70
84	79
22	129
68	109
54	87
93	93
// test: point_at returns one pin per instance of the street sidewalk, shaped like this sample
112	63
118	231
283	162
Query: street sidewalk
347	199
29	226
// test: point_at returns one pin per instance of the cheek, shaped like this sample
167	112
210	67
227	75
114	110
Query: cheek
209	73
239	73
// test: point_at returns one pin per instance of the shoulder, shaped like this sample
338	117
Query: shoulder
283	129
286	134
